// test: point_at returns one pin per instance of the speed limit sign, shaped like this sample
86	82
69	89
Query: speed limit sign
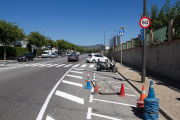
144	22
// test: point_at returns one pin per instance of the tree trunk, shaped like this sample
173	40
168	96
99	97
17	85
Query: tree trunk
36	52
4	52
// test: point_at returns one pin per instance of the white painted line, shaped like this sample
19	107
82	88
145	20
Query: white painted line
91	98
78	69
77	72
130	95
72	83
89	113
60	65
84	65
120	87
41	113
74	76
92	65
92	90
68	65
114	102
70	97
49	118
115	82
52	65
103	116
76	65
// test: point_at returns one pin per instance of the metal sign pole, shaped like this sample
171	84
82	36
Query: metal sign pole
144	50
121	50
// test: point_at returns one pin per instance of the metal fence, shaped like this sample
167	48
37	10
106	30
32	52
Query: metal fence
135	42
160	34
124	46
176	25
129	44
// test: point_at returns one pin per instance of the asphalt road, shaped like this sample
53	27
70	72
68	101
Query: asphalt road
53	89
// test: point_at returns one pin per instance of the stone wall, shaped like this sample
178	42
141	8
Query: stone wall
162	58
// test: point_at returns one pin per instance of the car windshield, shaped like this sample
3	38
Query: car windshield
44	53
53	54
25	54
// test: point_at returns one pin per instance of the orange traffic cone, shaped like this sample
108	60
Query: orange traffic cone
122	92
87	74
96	89
143	95
140	103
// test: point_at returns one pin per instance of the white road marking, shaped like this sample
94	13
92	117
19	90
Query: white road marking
103	116
78	69
84	65
60	65
77	72
74	76
92	65
70	97
130	95
49	118
72	83
76	65
120	87
91	98
52	65
114	102
41	113
92	90
68	65
89	113
115	82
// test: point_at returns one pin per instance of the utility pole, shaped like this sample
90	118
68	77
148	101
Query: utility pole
104	39
144	49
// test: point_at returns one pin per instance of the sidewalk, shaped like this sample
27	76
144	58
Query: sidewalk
168	91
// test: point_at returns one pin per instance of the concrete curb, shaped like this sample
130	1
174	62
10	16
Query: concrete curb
162	110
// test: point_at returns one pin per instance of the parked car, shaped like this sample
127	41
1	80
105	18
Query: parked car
73	57
94	57
54	55
26	57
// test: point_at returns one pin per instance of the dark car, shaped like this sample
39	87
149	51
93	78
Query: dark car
73	57
26	57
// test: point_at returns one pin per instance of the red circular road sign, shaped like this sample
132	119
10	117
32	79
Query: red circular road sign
144	22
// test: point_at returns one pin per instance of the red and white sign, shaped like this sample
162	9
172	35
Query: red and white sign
144	22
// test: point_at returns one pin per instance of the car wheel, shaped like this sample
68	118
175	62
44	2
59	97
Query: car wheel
18	60
106	61
68	60
114	70
93	61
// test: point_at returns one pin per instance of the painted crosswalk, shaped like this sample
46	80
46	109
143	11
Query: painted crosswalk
43	64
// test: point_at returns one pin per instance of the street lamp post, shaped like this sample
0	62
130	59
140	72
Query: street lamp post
43	31
104	39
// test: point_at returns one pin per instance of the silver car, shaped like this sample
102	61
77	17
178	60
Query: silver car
54	55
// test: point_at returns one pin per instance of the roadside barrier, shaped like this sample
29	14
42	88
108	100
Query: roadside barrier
96	89
122	92
151	105
87	74
140	103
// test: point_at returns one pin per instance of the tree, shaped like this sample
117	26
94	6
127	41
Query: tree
49	42
9	32
36	39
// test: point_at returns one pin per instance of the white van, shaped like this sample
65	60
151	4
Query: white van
46	53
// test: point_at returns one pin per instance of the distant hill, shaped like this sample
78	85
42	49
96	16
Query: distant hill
91	46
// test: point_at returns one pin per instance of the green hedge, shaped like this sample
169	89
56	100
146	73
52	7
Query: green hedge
13	51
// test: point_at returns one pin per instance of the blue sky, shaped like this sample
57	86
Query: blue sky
80	22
